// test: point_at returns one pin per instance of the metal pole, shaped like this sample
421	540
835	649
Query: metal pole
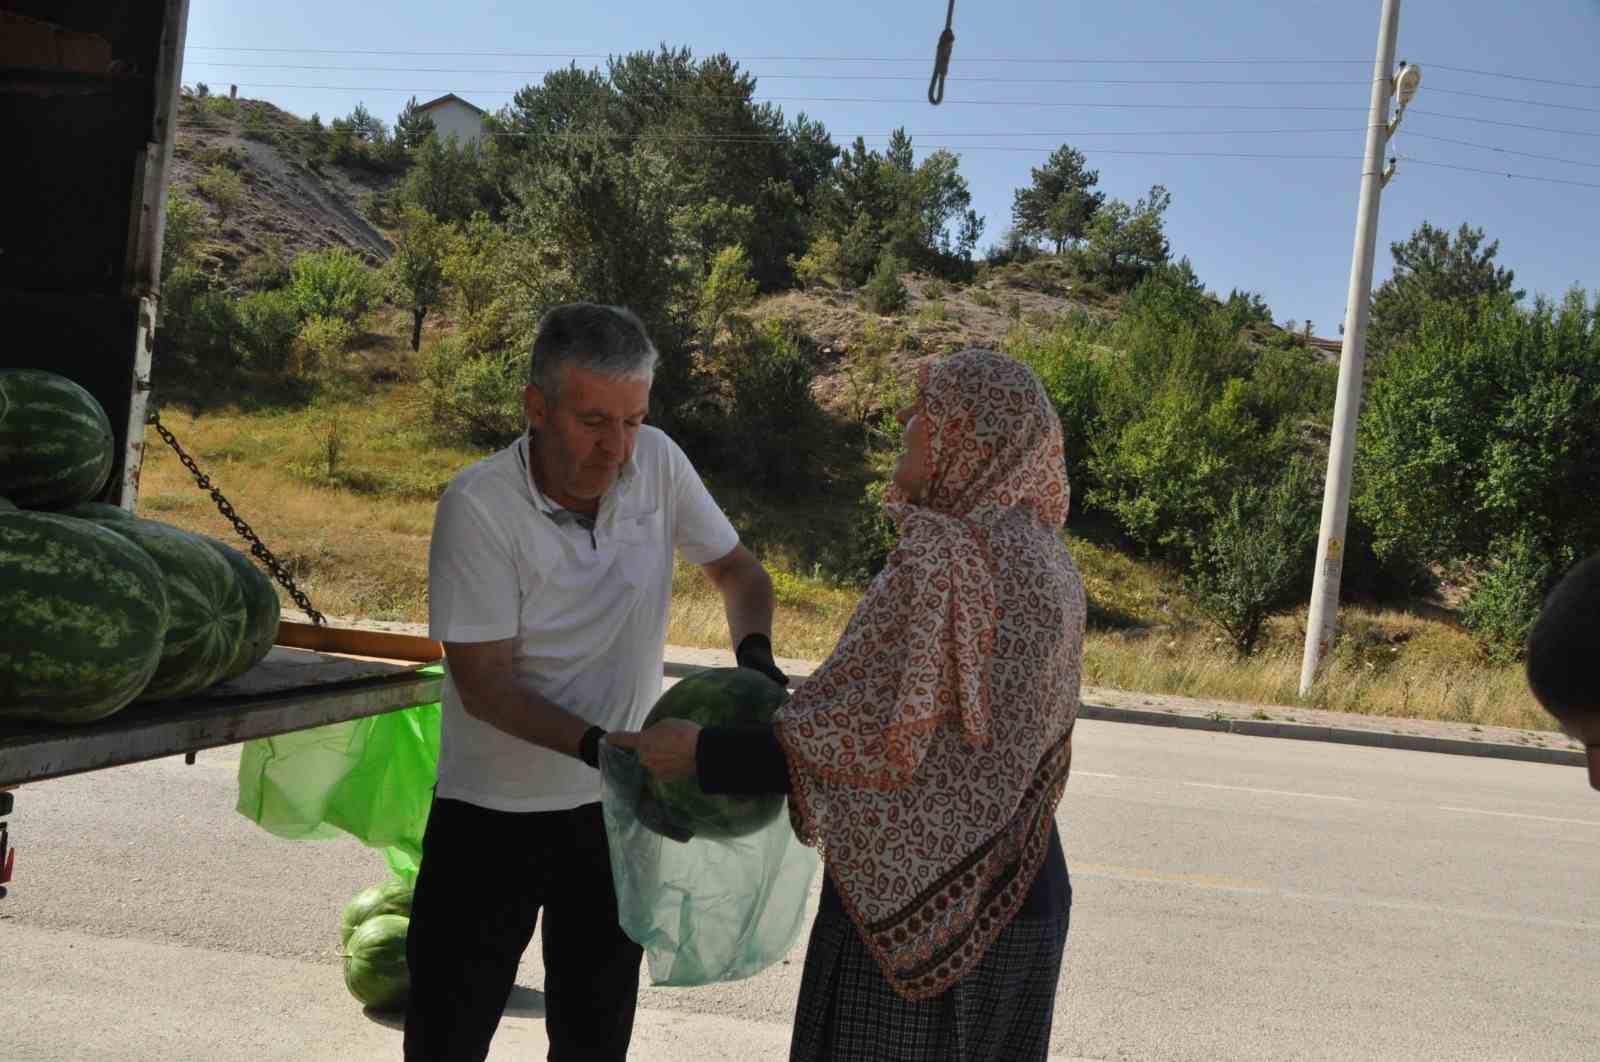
1322	622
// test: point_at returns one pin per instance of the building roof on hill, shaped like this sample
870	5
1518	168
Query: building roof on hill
446	98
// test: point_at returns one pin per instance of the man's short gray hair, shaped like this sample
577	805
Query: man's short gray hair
608	340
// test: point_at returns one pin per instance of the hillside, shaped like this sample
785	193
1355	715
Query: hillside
288	206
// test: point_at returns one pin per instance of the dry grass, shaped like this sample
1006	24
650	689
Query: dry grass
1431	672
357	541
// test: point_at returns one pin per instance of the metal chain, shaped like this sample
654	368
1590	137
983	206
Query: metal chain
258	549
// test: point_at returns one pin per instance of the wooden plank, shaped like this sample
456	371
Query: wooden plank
365	640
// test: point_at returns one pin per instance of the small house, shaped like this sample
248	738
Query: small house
454	117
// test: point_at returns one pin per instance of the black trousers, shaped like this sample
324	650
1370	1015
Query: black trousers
485	876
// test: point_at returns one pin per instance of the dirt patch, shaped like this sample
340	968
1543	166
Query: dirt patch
287	204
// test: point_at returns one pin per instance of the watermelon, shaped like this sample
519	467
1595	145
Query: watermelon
93	510
7	505
208	618
260	607
56	444
390	898
728	696
375	969
86	616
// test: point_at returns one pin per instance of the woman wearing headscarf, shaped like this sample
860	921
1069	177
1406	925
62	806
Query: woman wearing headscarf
926	757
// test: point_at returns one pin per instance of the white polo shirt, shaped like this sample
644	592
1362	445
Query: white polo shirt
588	609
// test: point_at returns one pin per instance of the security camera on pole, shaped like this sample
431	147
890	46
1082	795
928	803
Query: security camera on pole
1387	84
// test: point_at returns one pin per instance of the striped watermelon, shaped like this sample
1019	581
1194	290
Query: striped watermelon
93	510
208	617
56	445
85	619
260	606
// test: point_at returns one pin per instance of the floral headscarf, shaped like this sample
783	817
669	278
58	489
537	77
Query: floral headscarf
929	751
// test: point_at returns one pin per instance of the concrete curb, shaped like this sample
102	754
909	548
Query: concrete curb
681	661
1341	735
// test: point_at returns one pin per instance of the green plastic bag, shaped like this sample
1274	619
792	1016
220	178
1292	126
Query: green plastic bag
703	910
372	778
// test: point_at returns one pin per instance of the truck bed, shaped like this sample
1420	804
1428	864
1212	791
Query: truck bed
292	689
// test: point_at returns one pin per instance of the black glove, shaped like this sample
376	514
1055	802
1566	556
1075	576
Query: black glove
589	747
755	653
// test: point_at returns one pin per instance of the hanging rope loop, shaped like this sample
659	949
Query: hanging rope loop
941	59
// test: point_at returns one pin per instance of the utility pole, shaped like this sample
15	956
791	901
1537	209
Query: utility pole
1322	622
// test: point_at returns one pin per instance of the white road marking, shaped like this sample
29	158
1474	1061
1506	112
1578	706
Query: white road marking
1270	792
1518	815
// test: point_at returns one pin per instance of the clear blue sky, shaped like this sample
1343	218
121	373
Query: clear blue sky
1283	227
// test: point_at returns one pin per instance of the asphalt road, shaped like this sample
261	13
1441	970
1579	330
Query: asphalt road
1235	898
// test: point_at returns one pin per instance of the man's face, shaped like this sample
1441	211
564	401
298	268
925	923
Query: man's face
587	435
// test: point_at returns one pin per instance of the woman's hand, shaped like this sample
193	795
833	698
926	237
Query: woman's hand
667	750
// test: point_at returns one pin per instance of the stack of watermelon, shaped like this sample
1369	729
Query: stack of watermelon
372	938
102	607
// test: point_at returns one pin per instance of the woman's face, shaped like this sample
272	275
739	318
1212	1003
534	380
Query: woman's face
911	470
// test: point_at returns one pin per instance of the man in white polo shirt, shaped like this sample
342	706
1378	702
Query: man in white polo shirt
549	581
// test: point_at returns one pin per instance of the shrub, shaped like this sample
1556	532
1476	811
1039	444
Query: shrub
255	127
332	283
186	228
474	397
821	263
223	187
1509	594
269	322
268	268
319	347
884	292
770	429
1256	557
1074	378
727	287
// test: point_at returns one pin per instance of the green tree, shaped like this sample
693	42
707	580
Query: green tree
316	141
1478	439
365	127
885	292
413	126
332	283
417	269
1254	558
726	288
187	226
474	265
1061	202
596	224
1126	242
1431	267
445	180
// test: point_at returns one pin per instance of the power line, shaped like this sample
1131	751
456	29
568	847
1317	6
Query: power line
758	137
1512	99
1514	77
1250	82
1309	61
1505	151
1509	125
1499	173
834	99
